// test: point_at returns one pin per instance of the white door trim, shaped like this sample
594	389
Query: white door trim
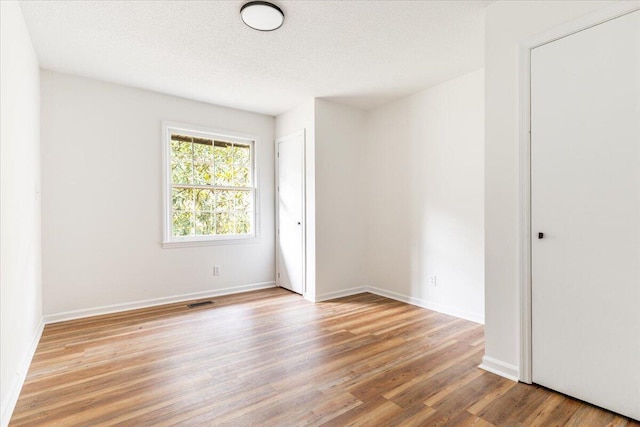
300	133
524	130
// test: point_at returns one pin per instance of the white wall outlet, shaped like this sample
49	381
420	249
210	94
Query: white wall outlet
433	280
216	270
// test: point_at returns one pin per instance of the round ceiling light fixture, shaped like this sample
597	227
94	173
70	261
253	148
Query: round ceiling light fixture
262	15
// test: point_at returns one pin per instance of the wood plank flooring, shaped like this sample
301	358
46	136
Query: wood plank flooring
270	358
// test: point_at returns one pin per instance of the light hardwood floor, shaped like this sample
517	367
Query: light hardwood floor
270	358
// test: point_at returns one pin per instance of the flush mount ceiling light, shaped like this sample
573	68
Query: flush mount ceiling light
262	15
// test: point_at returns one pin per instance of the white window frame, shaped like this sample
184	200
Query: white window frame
170	241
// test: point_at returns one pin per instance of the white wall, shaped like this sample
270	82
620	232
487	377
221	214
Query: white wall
340	198
425	197
102	203
20	262
507	24
334	149
299	118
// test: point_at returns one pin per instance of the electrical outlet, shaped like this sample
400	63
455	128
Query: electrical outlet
433	280
216	270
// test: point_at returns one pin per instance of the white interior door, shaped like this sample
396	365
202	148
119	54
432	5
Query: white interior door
585	198
290	194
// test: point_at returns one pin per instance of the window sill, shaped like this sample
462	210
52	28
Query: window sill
209	242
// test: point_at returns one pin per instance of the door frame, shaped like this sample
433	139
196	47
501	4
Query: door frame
301	133
597	17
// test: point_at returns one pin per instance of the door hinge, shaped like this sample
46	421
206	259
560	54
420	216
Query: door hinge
278	275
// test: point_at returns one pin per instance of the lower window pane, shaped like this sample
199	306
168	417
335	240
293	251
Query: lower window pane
204	200
243	222
224	201
212	212
183	224
229	200
243	201
225	223
182	199
205	224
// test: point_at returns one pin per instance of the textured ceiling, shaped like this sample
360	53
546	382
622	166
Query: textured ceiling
361	53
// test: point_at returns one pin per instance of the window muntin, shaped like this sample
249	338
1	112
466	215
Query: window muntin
211	186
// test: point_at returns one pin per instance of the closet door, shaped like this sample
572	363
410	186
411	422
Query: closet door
290	212
585	198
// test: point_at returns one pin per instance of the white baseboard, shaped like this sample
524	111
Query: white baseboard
9	404
78	314
474	317
340	294
499	367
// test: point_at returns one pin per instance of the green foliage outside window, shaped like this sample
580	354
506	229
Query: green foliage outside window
211	187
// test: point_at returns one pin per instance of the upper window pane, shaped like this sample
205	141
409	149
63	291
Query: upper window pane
223	161
181	161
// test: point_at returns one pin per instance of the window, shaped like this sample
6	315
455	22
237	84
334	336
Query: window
210	190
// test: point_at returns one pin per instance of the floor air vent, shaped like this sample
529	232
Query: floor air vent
199	304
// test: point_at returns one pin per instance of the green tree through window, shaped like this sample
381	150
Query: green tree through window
212	191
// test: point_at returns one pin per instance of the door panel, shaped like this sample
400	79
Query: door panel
585	198
290	193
